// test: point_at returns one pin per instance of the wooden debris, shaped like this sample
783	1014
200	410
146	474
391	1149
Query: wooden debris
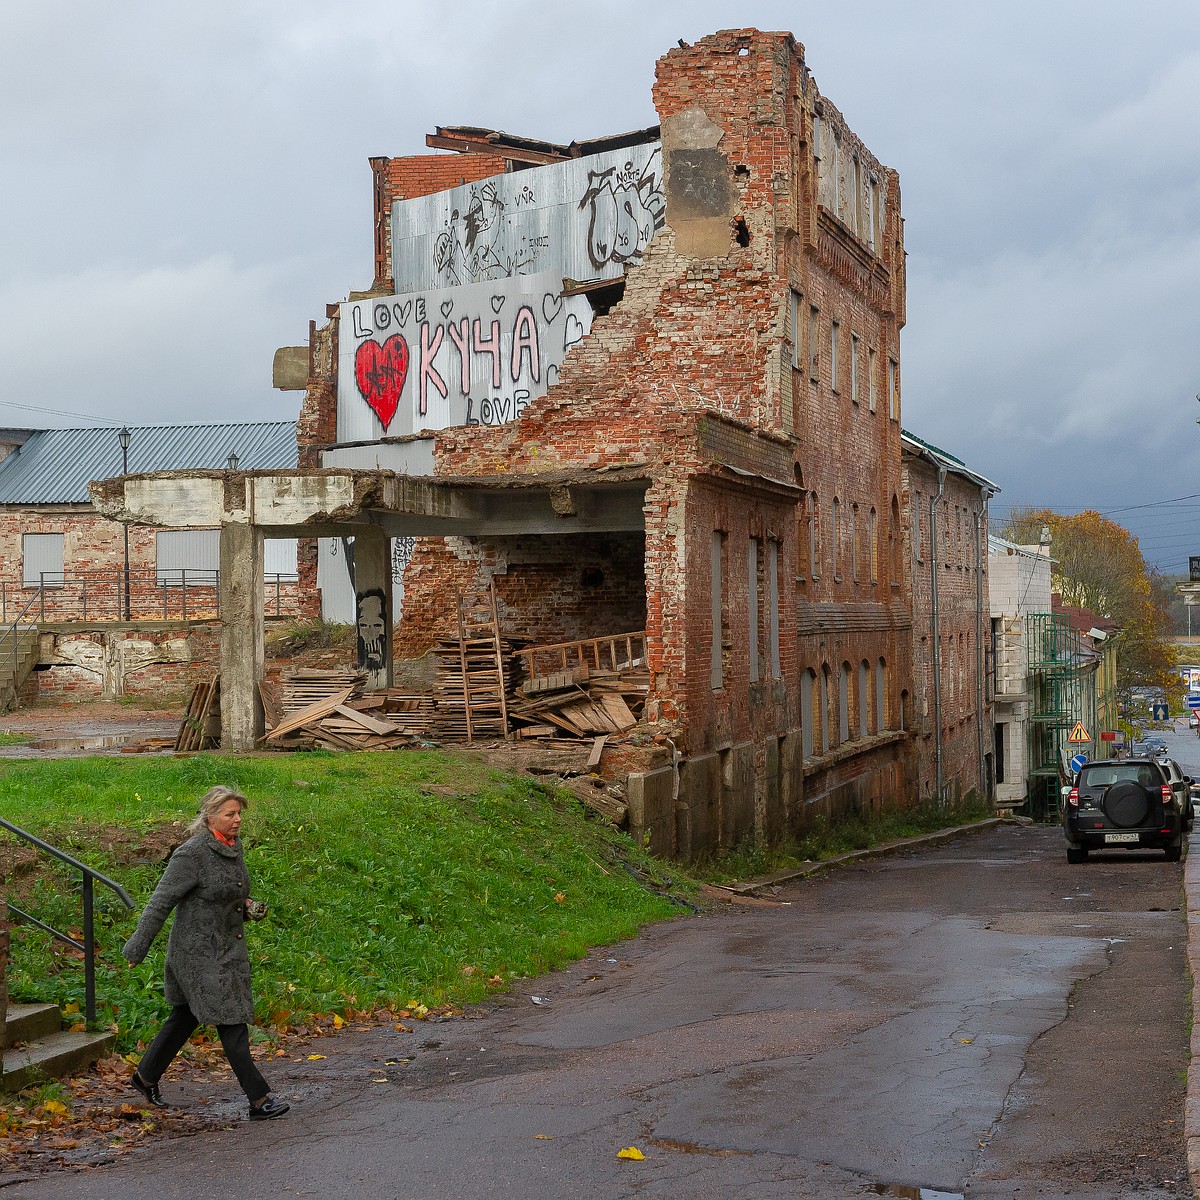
201	725
586	689
327	709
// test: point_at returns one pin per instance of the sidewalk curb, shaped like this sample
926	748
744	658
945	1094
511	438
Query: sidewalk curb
751	886
1191	1111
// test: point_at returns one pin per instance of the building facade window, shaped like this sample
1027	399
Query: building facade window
881	704
872	369
823	700
810	719
844	703
42	559
835	536
853	368
893	390
835	333
864	699
814	535
717	590
797	304
814	341
873	544
776	666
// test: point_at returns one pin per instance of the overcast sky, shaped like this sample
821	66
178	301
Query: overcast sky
183	187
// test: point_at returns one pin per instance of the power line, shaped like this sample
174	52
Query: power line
60	412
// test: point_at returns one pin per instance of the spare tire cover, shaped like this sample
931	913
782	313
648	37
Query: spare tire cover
1126	804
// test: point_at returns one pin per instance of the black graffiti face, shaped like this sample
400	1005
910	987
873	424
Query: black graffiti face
371	619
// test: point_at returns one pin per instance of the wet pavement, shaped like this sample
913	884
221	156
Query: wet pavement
72	730
977	1019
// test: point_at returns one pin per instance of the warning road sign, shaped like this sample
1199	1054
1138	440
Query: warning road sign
1079	734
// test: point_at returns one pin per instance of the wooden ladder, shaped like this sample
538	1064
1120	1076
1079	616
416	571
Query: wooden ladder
481	661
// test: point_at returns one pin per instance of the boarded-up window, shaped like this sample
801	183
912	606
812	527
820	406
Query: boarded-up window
42	559
279	559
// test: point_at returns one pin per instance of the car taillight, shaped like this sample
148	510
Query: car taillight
1166	793
1073	797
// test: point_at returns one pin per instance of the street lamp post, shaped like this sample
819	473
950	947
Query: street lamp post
124	437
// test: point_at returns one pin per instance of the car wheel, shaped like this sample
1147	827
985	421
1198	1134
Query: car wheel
1174	851
1077	854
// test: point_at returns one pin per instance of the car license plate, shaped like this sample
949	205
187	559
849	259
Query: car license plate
1113	839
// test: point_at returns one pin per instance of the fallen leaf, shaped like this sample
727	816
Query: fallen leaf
966	1041
543	1137
379	1081
559	897
315	1057
337	1021
55	1107
632	1153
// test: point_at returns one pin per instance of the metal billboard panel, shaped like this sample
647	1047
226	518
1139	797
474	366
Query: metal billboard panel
584	218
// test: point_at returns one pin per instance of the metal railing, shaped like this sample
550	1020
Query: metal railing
12	634
155	595
88	945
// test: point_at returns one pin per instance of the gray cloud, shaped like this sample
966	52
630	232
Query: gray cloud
184	188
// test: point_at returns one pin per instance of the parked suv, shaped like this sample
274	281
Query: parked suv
1124	804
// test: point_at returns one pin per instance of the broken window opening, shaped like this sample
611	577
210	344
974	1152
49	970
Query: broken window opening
741	234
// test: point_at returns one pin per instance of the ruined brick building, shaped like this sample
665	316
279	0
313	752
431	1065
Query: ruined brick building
740	372
646	382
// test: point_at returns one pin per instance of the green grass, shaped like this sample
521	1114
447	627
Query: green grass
10	737
857	831
391	877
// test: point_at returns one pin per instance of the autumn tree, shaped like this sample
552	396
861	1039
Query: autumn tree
1097	564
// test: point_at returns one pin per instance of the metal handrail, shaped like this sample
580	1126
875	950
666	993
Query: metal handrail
88	945
11	630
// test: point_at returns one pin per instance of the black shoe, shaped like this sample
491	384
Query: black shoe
268	1109
149	1090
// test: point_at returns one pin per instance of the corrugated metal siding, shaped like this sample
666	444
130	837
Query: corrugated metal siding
42	553
56	465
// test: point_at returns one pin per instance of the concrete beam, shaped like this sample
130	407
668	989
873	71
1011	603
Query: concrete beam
330	502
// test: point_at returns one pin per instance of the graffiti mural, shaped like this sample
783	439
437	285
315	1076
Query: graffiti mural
584	218
374	636
471	355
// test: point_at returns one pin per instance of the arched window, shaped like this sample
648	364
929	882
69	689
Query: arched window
902	723
810	714
894	543
873	543
826	725
854	556
864	698
835	536
881	704
814	535
844	703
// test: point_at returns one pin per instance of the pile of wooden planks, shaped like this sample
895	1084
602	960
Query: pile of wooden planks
328	709
586	689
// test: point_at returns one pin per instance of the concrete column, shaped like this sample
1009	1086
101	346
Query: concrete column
373	605
241	635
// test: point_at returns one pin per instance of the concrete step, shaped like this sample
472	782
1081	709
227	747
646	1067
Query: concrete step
29	1022
51	1057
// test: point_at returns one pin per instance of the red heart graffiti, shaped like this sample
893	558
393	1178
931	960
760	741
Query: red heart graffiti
380	372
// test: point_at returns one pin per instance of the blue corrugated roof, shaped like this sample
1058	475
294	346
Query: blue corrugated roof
54	466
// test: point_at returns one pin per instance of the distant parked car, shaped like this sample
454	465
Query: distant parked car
1125	804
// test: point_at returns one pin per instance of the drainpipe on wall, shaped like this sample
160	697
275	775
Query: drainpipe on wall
937	640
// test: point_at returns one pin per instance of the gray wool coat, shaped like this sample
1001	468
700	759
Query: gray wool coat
208	968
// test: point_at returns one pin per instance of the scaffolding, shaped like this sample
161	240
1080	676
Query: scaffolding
1062	687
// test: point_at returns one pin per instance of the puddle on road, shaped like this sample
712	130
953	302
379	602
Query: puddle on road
915	1193
107	741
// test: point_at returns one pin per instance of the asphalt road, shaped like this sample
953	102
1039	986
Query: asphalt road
979	1018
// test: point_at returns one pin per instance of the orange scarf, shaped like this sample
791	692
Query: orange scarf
230	842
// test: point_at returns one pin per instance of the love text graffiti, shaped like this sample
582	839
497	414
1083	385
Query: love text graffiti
477	354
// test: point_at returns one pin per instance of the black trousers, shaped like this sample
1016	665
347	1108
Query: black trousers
175	1031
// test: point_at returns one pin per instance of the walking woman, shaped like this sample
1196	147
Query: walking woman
207	978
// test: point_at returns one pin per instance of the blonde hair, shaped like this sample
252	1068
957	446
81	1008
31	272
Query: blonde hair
210	802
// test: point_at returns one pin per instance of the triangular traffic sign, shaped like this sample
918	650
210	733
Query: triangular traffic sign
1079	734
